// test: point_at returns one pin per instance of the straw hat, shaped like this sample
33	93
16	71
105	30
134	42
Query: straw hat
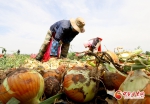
78	24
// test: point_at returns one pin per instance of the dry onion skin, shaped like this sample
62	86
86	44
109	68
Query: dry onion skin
25	85
78	86
113	55
137	81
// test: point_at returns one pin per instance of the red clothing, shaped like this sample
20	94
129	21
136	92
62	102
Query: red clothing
46	56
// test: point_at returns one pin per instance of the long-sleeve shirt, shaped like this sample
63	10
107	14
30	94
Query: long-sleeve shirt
63	31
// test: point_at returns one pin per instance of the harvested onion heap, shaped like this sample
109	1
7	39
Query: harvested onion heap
81	84
53	79
25	85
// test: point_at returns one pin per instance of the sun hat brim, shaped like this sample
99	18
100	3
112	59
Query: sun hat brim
73	23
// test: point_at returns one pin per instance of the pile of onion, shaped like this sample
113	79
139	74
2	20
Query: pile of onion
25	85
57	73
136	81
79	85
52	80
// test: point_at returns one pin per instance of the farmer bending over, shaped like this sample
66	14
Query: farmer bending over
94	44
58	38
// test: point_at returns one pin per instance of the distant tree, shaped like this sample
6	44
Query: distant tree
147	53
4	51
138	47
18	52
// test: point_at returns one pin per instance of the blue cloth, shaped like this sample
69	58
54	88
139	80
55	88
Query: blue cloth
54	48
63	31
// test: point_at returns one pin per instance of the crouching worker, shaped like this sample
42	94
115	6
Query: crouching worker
93	45
58	38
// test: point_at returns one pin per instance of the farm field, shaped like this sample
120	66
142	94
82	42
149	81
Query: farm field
77	79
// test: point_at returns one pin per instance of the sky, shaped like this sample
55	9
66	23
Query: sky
120	23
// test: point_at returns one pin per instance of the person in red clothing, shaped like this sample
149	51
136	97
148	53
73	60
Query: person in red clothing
58	38
94	44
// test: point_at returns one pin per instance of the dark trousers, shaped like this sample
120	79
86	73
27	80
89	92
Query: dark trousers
65	49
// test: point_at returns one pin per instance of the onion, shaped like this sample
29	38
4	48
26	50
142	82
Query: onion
112	77
78	85
113	80
52	73
61	69
137	81
52	86
57	73
25	85
114	56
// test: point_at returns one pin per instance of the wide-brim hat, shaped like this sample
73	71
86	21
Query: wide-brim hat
78	24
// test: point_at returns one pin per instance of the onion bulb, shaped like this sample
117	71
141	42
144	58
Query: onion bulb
25	85
78	84
52	73
113	56
52	86
112	80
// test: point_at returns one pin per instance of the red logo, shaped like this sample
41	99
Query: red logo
118	94
129	94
